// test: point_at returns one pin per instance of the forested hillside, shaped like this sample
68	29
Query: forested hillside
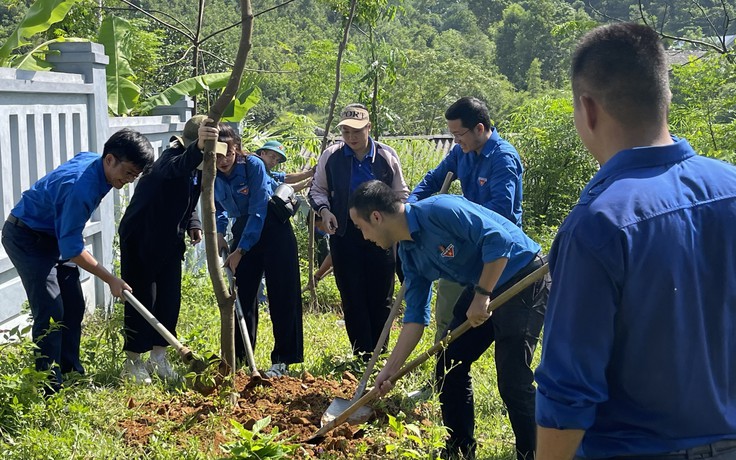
416	55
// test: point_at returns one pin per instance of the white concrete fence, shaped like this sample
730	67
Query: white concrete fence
45	119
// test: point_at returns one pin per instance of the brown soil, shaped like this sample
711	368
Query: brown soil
295	406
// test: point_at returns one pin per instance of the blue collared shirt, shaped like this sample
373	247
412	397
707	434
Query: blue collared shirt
491	178
452	238
62	201
639	344
362	171
244	193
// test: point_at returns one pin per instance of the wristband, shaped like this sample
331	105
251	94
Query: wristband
481	291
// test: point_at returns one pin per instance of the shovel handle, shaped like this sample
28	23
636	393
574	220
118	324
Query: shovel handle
249	355
451	337
377	351
183	351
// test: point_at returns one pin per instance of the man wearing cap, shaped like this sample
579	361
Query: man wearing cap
364	273
273	153
161	212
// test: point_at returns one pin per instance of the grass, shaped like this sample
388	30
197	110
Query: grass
81	421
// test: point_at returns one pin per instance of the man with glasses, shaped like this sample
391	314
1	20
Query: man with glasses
490	171
43	239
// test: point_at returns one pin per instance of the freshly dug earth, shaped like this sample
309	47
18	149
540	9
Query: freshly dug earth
295	406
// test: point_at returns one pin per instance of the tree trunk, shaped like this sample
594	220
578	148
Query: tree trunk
225	300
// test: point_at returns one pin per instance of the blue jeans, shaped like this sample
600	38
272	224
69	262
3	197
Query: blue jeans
515	327
54	293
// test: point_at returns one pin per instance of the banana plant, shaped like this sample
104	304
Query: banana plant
122	92
248	94
38	19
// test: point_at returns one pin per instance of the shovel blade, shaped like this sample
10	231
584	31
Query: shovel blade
339	405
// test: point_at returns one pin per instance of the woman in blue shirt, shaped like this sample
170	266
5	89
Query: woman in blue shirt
261	243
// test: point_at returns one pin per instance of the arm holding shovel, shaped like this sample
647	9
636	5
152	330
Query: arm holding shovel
412	332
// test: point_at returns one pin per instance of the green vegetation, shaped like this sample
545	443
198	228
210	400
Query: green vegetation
407	60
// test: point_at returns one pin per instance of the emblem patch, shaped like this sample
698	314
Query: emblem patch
482	181
448	251
244	190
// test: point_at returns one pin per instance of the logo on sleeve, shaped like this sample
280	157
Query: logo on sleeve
482	181
448	251
244	190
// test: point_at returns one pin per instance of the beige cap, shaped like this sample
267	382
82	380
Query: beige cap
355	117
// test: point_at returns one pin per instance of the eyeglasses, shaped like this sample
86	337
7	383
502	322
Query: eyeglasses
459	135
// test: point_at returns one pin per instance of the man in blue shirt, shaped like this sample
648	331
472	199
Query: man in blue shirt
447	236
639	355
489	170
490	173
43	238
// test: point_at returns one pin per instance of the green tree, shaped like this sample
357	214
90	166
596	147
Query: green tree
557	165
704	105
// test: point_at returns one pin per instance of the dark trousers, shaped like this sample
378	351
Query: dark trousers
54	293
515	327
364	274
276	255
156	282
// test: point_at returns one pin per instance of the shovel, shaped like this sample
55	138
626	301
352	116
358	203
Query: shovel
339	405
255	377
448	339
196	365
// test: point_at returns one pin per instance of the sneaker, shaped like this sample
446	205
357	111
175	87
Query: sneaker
277	370
135	371
162	367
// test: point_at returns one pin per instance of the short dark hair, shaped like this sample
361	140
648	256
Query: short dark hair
132	146
374	195
624	67
470	111
230	137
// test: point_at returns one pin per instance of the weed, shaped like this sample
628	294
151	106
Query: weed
252	444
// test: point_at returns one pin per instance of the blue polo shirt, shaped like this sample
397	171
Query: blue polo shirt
361	170
491	178
452	238
62	201
639	344
244	193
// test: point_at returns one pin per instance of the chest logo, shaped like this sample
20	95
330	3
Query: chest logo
482	181
448	251
244	190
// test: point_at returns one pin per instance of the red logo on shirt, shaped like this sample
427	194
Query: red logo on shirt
448	251
482	181
244	190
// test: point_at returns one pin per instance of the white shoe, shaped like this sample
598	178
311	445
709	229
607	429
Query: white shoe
135	371
162	367
277	370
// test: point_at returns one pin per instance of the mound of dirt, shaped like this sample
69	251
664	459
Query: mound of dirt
295	406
